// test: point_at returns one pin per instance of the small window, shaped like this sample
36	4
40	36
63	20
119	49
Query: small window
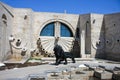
48	30
25	17
4	17
77	32
65	31
93	21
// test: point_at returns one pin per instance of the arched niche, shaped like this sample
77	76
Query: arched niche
3	34
52	30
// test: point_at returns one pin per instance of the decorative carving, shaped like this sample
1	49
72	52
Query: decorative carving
25	17
18	42
16	48
32	51
117	35
109	41
48	44
4	19
11	38
98	44
38	41
23	51
56	40
116	48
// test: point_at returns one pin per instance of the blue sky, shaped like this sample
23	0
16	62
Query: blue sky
71	6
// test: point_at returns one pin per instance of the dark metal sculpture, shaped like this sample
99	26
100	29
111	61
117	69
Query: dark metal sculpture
61	55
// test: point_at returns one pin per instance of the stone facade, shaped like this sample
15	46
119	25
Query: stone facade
112	36
94	35
6	19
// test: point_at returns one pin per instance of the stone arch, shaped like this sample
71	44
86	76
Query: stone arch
58	20
48	43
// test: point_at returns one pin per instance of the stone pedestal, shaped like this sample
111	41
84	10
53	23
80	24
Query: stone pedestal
103	74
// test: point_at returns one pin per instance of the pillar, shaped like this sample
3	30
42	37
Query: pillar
82	44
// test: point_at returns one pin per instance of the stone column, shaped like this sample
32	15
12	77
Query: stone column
82	44
0	39
57	29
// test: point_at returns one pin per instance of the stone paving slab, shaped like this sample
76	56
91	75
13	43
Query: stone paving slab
103	75
77	59
23	72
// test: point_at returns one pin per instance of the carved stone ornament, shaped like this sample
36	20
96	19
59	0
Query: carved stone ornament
109	41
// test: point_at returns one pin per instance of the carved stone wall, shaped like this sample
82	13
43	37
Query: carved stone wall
112	36
92	35
22	27
6	19
85	35
42	19
97	35
27	26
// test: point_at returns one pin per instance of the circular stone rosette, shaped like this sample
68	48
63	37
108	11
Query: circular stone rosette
109	41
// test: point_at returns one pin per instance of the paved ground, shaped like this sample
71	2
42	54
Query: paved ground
23	72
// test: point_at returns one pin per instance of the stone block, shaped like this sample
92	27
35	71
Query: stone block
80	76
89	72
37	77
103	74
96	68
